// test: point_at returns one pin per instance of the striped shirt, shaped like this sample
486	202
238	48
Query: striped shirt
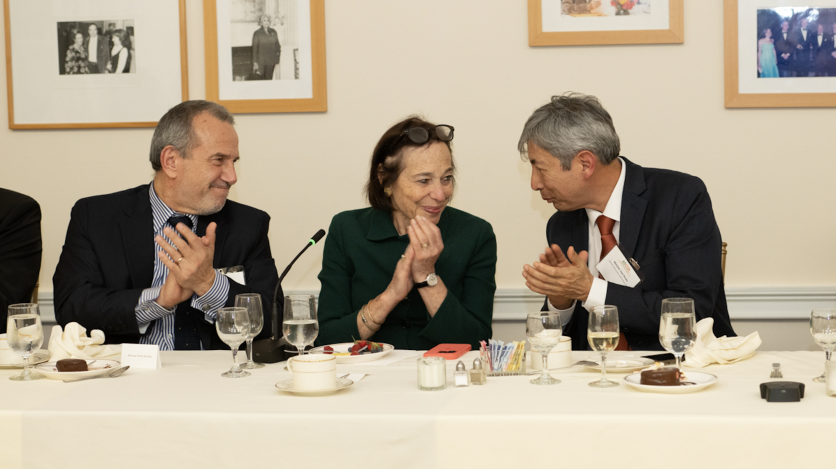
156	324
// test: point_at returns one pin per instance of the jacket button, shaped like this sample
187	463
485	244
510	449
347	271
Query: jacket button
406	324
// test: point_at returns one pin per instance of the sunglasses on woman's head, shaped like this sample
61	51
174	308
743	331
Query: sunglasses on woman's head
420	135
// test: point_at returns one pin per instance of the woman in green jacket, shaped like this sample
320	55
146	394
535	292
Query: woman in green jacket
408	271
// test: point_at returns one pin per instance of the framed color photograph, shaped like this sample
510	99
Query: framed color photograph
595	22
94	63
780	53
266	55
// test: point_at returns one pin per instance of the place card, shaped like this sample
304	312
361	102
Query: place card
141	356
615	269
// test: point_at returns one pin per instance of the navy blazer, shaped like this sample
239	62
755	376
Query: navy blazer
668	227
108	259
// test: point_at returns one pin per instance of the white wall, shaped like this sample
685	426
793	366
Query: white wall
468	63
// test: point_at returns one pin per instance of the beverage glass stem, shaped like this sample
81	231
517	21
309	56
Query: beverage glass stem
235	367
678	361
26	371
827	354
249	351
545	357
603	367
301	349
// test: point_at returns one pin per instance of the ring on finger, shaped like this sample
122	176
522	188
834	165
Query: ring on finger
425	245
178	260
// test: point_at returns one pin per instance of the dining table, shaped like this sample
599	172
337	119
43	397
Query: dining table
185	415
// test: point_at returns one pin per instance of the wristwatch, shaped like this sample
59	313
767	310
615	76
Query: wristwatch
431	281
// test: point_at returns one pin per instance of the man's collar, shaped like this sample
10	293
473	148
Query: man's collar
163	212
613	207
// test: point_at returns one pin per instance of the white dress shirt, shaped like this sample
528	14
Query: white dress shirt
92	50
598	293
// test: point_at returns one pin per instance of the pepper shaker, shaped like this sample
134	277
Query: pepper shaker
478	375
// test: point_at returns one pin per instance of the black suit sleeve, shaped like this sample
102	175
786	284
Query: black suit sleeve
81	294
20	250
687	266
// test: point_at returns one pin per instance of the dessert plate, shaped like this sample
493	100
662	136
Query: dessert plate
39	356
623	364
350	359
95	368
703	381
287	386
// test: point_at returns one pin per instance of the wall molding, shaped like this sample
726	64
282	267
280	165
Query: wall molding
745	303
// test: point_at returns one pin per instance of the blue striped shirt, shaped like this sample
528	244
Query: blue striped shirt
156	324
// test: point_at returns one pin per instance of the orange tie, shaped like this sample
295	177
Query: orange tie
608	242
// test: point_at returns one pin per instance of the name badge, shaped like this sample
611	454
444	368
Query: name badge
235	272
141	356
615	268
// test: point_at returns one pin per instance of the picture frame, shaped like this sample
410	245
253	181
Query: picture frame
651	22
51	84
253	68
794	85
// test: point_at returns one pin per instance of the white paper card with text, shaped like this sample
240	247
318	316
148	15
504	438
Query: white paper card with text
615	269
141	356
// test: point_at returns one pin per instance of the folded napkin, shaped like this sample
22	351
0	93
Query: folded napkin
709	350
72	342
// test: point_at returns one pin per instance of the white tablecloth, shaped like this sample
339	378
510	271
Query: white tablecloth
186	415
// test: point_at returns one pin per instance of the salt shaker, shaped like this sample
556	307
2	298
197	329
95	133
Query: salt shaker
478	374
461	377
830	377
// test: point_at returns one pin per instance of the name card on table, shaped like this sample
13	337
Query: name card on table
141	356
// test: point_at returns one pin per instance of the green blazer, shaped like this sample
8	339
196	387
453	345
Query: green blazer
361	252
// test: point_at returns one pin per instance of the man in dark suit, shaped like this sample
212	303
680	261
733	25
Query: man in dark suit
109	276
785	50
20	250
266	49
803	40
822	48
98	51
661	219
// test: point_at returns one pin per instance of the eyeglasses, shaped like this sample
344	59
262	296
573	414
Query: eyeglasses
421	135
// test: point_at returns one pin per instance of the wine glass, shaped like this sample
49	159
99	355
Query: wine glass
300	326
233	326
823	329
251	301
543	330
678	327
25	335
603	334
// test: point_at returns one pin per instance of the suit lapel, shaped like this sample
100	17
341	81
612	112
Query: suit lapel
137	229
221	232
632	208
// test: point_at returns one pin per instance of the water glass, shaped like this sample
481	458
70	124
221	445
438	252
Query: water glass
300	325
25	335
233	326
543	330
252	301
823	329
603	333
678	327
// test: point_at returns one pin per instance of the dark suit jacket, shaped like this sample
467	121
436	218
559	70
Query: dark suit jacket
20	250
266	47
784	47
102	52
803	57
822	53
668	227
108	259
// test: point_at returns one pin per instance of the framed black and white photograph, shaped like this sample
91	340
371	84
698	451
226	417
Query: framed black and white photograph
94	63
266	55
596	22
780	54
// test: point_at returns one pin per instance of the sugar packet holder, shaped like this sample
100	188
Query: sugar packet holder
485	356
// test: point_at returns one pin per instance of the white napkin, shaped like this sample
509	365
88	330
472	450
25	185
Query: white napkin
73	342
709	350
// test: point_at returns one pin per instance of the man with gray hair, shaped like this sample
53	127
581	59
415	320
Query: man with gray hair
144	265
660	221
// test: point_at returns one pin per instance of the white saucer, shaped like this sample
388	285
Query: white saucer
287	386
703	381
94	368
39	356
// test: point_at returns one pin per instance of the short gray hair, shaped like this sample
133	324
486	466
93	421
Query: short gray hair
175	128
568	125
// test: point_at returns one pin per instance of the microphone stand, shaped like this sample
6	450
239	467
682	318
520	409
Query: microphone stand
274	349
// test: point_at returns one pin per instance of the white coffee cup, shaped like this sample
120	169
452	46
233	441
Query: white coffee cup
6	354
559	357
313	371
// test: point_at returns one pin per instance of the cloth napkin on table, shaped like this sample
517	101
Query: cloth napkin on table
72	342
709	350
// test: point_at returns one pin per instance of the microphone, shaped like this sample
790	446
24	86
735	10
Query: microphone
270	350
